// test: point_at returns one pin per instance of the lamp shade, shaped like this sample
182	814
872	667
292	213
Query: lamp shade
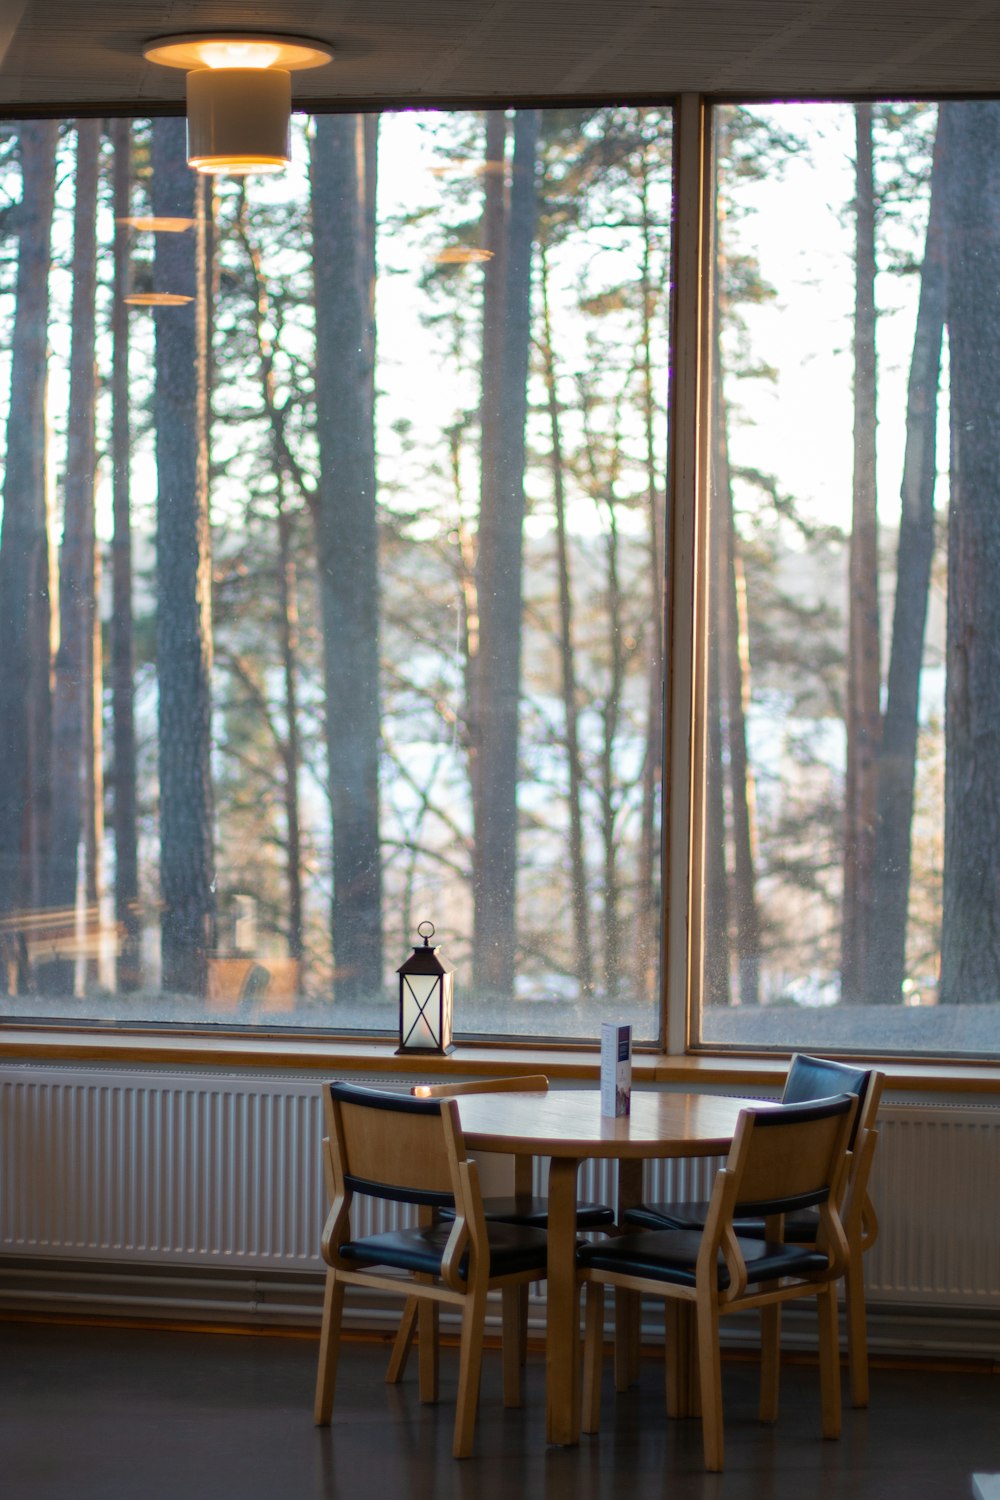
239	94
238	119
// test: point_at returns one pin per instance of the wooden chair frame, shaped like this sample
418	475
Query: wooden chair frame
860	1223
523	1172
447	1170
709	1303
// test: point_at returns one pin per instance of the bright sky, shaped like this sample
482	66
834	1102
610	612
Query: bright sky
801	426
798	427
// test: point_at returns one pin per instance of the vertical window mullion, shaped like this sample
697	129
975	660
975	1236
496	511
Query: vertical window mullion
684	750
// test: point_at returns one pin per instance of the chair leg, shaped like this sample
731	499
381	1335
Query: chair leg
677	1356
628	1311
403	1342
770	1361
523	1294
694	1368
857	1328
513	1362
829	1359
329	1348
469	1368
710	1383
593	1348
427	1350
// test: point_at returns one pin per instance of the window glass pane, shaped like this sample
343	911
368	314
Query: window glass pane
330	570
852	863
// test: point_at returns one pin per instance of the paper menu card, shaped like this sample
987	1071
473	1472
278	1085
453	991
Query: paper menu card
616	1069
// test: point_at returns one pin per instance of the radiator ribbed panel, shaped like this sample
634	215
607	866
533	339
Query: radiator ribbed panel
935	1189
673	1181
161	1168
203	1170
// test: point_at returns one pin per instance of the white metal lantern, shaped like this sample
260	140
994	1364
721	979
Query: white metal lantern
426	998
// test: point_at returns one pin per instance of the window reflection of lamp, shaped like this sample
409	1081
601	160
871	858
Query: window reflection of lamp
462	255
239	96
151	224
157	299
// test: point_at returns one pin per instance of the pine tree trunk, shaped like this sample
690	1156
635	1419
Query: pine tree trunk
73	676
648	905
734	673
613	934
93	780
915	551
289	631
499	594
494	238
288	609
122	683
863	680
717	921
970	936
347	544
494	242
579	896
93	766
183	573
25	710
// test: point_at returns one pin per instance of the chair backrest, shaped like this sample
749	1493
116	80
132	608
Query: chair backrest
790	1158
781	1160
811	1078
531	1083
393	1146
499	1175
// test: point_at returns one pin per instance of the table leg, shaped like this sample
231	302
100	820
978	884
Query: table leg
627	1305
562	1339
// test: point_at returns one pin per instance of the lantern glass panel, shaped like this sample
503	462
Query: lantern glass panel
421	995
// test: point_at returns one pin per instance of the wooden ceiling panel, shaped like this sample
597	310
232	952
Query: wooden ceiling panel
64	52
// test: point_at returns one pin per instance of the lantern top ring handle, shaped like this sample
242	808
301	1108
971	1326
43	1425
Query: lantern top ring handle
428	934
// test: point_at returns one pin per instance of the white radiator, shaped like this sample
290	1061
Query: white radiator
179	1170
209	1171
936	1189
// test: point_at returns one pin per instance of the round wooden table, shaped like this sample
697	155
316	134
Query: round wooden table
566	1125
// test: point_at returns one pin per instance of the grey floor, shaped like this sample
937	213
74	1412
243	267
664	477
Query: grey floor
98	1413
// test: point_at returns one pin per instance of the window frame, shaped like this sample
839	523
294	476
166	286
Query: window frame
678	1055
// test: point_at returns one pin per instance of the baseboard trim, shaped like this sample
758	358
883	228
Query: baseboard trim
226	1296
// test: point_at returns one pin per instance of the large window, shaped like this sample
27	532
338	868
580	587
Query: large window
331	570
332	562
852	680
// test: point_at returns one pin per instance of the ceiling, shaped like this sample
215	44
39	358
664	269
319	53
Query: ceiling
89	52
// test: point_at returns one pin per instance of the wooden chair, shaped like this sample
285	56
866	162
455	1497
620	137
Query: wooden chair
519	1206
406	1150
809	1079
781	1160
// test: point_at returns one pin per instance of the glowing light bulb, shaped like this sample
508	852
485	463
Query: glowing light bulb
223	54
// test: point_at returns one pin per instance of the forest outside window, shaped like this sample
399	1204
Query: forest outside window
331	570
852	680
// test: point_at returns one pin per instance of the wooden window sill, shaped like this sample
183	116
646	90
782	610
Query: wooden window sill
352	1055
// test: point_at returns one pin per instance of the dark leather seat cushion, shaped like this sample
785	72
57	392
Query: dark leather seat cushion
801	1227
513	1248
534	1213
672	1255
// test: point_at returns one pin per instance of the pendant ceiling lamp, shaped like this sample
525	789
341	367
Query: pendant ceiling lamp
239	95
